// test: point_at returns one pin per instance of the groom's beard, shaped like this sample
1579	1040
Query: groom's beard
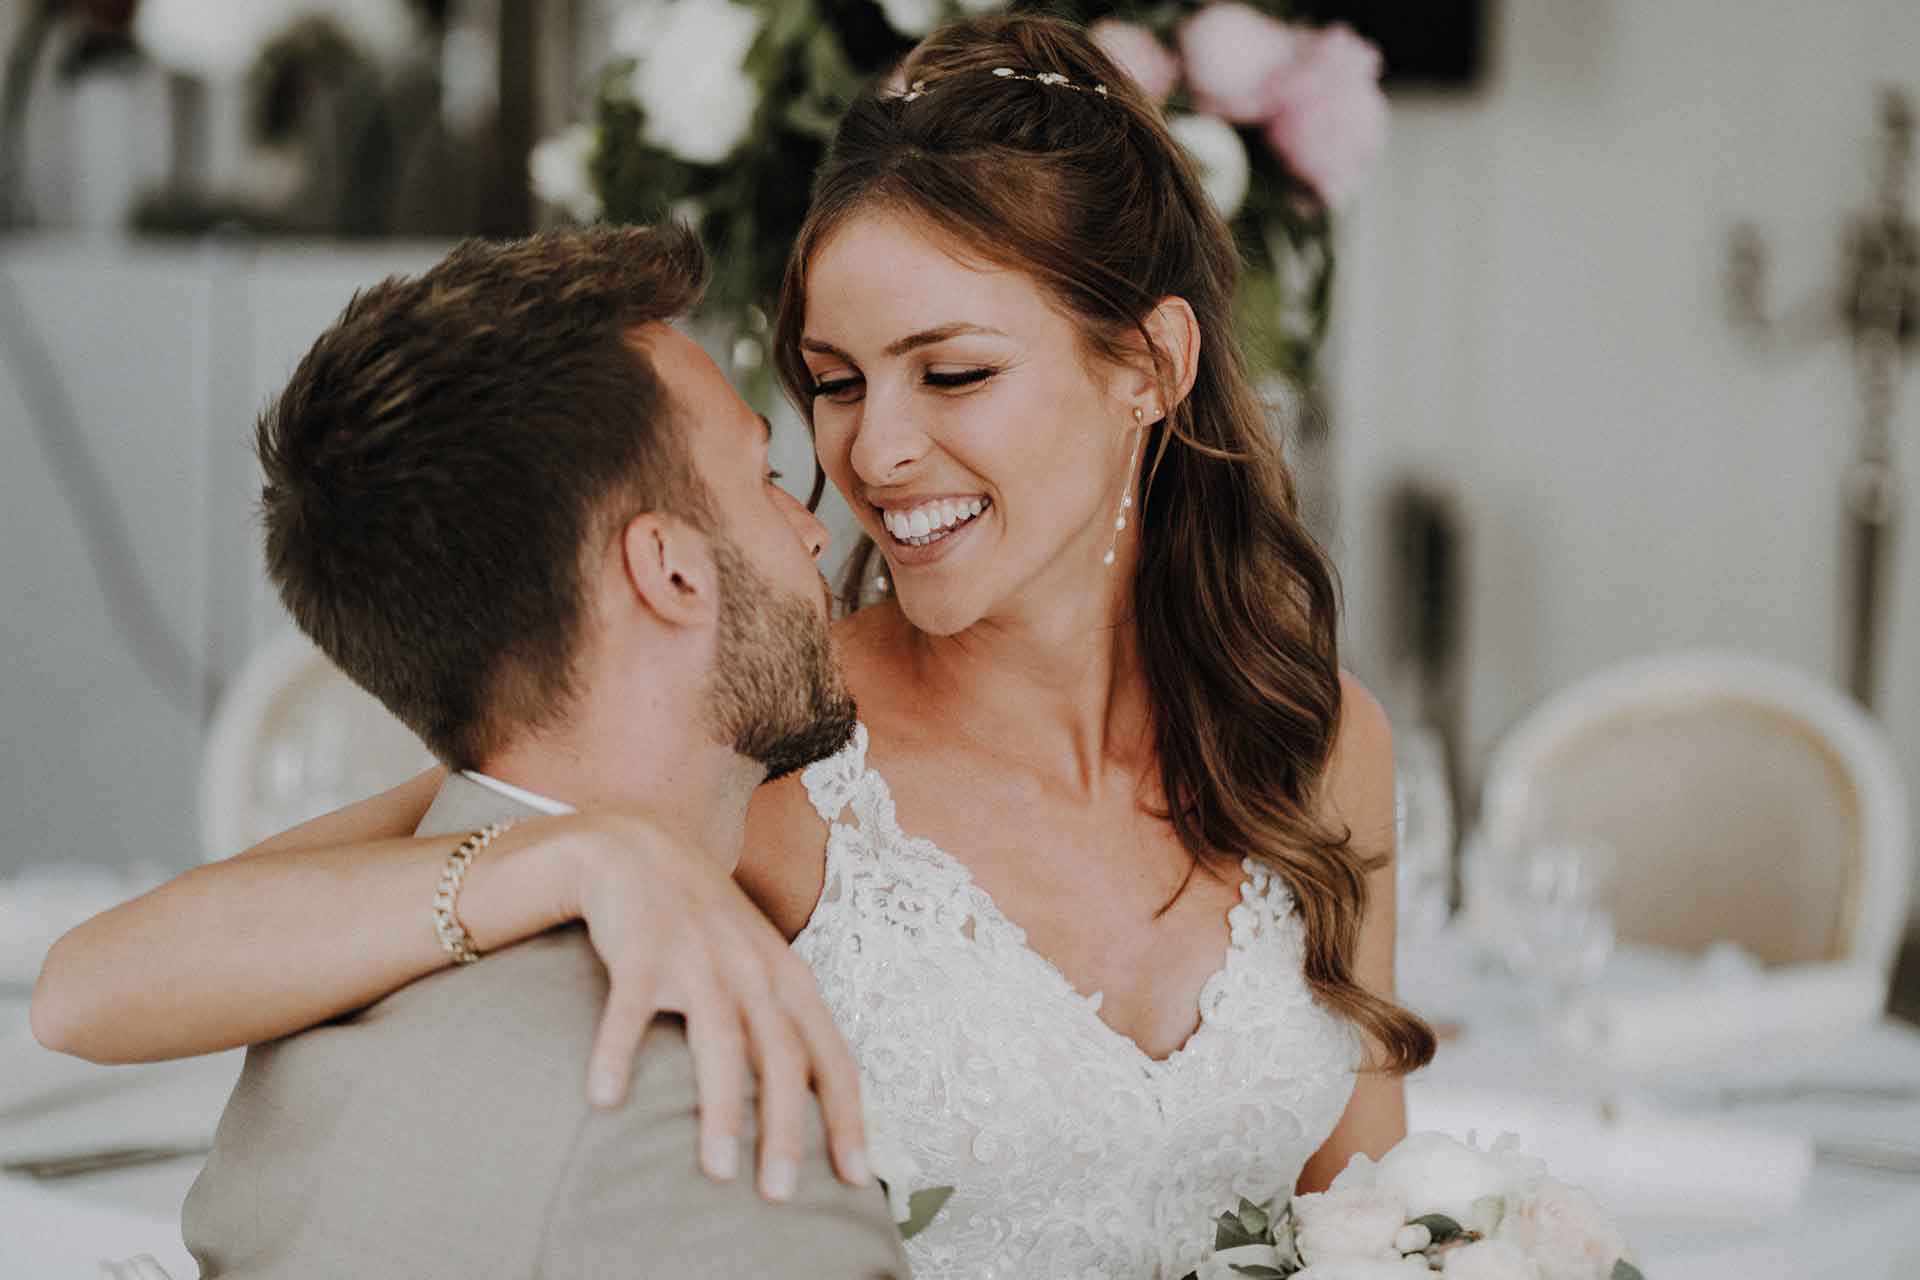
776	695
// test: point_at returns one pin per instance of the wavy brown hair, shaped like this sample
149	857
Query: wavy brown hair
1235	603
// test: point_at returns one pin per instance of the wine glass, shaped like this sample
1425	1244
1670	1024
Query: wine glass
1423	882
1558	900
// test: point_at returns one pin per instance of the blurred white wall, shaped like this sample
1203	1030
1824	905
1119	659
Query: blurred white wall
164	356
1531	314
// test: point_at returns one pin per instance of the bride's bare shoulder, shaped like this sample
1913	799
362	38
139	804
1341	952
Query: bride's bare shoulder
1358	785
783	861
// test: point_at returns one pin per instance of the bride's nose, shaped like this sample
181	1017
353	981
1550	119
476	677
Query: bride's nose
887	444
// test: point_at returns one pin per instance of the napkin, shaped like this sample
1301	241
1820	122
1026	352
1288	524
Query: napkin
1724	1012
1636	1159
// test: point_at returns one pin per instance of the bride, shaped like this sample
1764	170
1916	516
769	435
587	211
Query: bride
1101	893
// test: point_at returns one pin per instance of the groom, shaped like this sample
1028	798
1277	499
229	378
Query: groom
537	523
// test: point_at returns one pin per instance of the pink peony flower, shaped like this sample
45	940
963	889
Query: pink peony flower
1366	1269
1438	1173
1349	1222
1326	116
1140	54
1565	1229
1491	1260
1233	53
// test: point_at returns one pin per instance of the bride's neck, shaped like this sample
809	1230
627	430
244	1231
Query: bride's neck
1062	688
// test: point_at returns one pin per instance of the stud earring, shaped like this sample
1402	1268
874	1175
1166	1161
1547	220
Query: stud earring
1126	492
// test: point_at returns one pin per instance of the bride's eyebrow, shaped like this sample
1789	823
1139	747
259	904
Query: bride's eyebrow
925	338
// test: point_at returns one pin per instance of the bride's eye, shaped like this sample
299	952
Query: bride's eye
949	379
843	390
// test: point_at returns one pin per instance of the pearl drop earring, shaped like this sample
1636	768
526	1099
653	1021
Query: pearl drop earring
1126	492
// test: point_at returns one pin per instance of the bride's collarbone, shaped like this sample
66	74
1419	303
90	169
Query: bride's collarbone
1102	896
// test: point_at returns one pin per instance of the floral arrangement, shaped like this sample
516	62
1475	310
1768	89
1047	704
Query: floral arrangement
1432	1203
718	112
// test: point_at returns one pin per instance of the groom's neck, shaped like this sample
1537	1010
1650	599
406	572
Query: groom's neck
687	785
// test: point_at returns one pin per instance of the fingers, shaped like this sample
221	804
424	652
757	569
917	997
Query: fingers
836	1080
781	1060
629	1012
719	1049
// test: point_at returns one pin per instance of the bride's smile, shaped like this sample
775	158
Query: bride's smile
983	446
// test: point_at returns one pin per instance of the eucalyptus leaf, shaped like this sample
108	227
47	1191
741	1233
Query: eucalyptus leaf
1229	1233
922	1206
1442	1227
1259	1270
1624	1270
1254	1219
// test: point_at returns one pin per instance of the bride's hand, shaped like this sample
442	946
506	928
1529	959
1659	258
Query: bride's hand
676	933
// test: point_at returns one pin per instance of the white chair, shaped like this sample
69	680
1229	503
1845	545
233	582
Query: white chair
1743	799
292	739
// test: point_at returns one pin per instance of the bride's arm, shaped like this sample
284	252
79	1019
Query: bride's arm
335	914
299	928
1360	789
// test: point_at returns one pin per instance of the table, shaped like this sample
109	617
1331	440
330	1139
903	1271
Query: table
51	1230
1851	1222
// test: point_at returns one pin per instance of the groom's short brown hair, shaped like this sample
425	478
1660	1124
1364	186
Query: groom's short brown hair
449	454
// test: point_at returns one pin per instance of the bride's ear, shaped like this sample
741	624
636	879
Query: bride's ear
1161	377
670	569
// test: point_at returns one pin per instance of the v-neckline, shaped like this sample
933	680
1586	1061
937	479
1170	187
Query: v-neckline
985	904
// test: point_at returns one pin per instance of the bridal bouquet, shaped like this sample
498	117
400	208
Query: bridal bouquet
1432	1203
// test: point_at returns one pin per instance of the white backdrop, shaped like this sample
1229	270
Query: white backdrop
1531	315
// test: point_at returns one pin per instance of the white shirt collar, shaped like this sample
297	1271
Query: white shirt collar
512	792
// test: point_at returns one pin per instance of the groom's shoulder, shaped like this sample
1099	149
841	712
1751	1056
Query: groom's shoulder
524	999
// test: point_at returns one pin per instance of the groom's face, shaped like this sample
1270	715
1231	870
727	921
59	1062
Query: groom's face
775	693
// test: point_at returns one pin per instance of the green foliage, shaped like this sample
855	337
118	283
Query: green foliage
811	58
922	1207
1443	1228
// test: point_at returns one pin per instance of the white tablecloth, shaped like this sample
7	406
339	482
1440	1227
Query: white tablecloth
1496	1076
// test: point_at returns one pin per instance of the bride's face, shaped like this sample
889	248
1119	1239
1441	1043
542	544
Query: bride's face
957	411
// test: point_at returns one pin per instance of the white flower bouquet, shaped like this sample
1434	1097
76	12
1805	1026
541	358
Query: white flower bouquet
1433	1203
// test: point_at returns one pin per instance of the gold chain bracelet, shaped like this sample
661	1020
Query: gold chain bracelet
453	935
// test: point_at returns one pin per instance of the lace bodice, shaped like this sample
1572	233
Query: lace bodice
1072	1153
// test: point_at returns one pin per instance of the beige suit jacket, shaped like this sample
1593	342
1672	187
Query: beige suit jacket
444	1132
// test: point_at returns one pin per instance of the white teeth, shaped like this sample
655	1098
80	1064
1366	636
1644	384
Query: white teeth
932	521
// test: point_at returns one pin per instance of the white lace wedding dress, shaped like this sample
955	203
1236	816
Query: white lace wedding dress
1072	1153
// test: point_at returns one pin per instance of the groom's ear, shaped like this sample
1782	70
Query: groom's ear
670	567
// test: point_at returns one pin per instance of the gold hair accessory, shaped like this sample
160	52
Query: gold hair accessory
1052	79
453	935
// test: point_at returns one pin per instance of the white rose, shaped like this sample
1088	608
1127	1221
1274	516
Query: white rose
383	30
1491	1260
212	39
1220	155
1366	1269
1440	1174
911	17
691	81
1565	1230
633	28
561	168
1348	1222
1220	1266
